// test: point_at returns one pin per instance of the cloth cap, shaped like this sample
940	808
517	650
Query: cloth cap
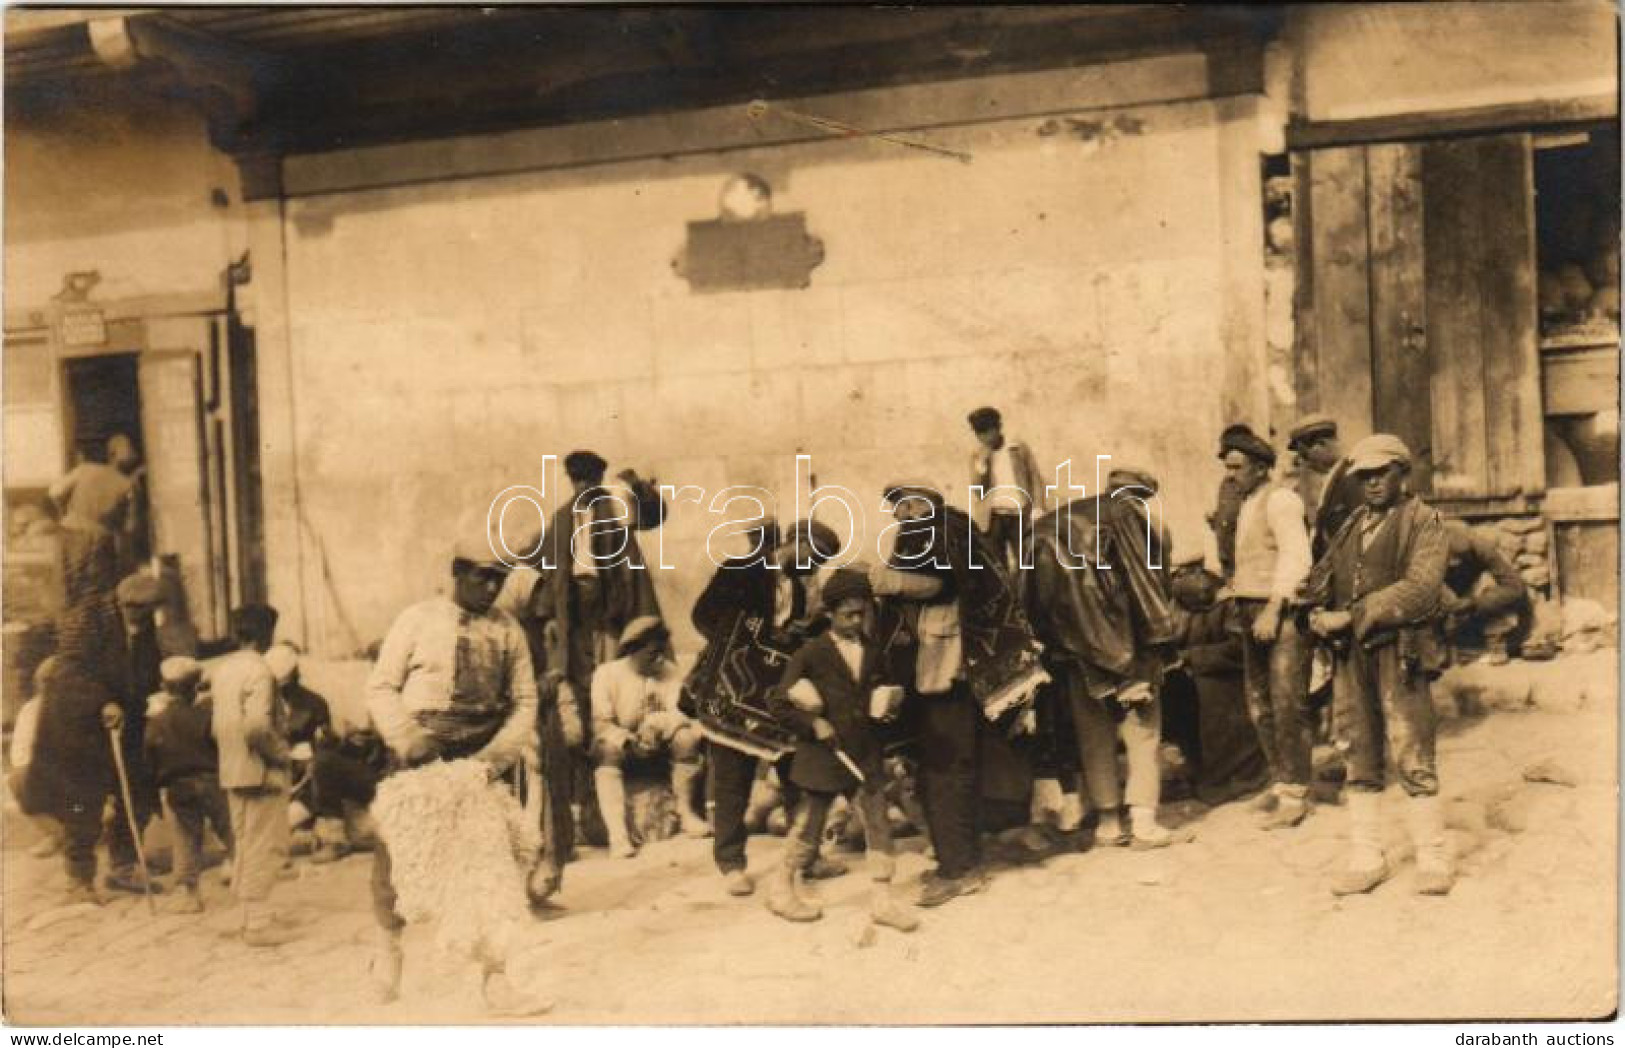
816	536
1377	451
908	487
984	418
181	669
140	590
283	659
641	632
1244	440
585	465
1130	476
768	527
475	541
258	620
846	584
1309	428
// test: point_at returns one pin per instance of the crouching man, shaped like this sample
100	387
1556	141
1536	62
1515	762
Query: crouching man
1374	595
453	680
635	720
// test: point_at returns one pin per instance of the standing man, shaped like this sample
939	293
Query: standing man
1008	465
951	625
1374	596
93	502
251	730
594	582
771	590
1272	561
453	680
1227	502
1329	491
1108	630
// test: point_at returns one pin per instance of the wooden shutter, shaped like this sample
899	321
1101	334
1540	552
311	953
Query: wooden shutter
1417	312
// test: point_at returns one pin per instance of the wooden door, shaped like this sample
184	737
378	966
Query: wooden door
178	481
1416	306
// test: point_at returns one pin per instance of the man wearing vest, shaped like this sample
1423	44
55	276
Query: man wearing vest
1375	596
1272	561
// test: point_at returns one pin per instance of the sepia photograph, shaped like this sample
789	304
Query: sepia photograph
807	515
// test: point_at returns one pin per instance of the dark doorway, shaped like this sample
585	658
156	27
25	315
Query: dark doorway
103	398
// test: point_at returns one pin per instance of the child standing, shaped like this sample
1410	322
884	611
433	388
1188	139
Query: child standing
826	692
251	729
186	765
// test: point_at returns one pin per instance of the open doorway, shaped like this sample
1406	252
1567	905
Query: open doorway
103	397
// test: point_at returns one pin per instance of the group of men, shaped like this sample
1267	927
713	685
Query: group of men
980	657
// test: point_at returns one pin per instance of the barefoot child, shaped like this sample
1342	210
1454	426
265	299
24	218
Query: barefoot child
826	692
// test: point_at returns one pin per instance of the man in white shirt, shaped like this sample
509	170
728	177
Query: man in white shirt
1012	488
635	719
453	680
1272	561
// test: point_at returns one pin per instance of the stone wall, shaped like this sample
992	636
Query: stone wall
1096	274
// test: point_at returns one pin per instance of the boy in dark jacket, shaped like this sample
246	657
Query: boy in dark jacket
826	692
185	764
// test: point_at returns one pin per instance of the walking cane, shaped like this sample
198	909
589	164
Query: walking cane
129	816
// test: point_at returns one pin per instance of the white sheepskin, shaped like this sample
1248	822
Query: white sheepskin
460	848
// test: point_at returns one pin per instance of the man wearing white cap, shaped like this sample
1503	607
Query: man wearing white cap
1374	596
635	719
453	680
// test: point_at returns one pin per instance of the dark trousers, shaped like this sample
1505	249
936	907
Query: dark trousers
335	778
82	829
732	775
1005	529
950	778
196	802
1276	679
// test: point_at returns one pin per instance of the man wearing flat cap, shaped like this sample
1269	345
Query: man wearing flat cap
1272	560
1328	490
1012	489
1374	596
453	680
636	722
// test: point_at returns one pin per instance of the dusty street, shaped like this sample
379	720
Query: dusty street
1234	925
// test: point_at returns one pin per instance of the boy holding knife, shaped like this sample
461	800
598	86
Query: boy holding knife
830	690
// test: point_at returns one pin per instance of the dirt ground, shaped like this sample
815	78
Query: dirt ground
1235	925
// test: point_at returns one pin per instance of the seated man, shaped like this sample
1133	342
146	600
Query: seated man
1485	603
310	724
635	718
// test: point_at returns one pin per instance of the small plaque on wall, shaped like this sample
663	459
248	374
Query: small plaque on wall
773	252
84	327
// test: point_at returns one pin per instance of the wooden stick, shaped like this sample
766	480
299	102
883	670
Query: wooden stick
129	817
